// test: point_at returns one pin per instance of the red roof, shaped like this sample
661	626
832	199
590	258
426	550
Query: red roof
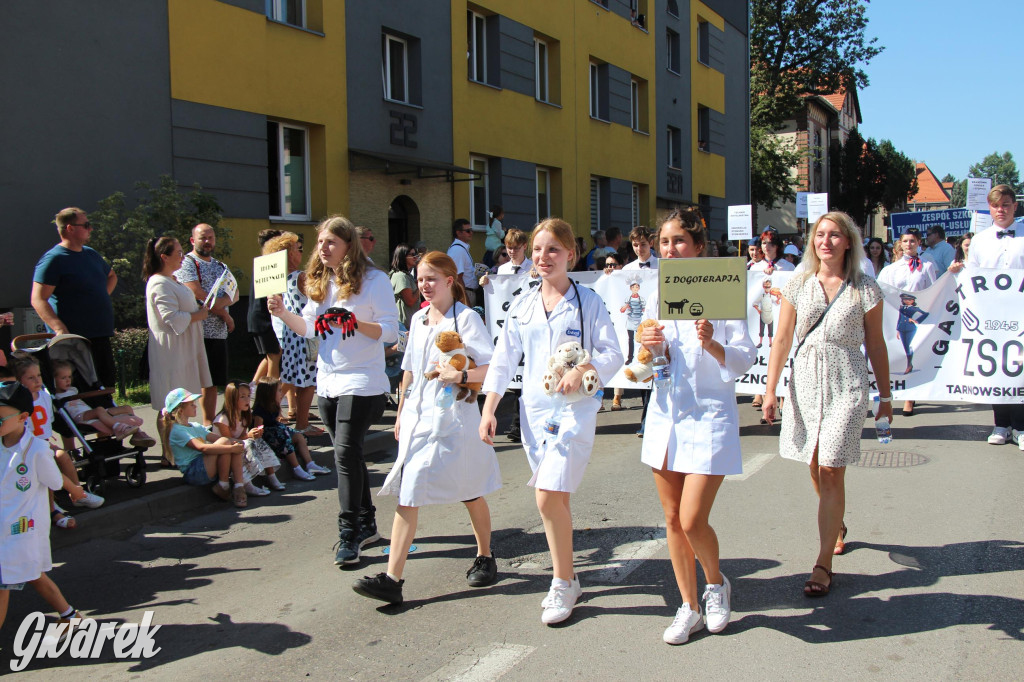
929	189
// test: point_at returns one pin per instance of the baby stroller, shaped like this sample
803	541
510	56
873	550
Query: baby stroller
96	459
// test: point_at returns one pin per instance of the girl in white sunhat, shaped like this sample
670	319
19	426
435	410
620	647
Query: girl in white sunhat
557	312
694	438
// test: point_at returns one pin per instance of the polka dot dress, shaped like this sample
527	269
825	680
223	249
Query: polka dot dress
828	389
296	367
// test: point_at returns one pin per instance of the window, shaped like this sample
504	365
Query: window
703	46
703	129
476	36
540	76
395	68
674	142
634	104
287	11
595	204
673	55
672	7
288	170
599	91
479	200
543	193
634	205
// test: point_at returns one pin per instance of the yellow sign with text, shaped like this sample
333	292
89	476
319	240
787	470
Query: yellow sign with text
270	274
702	288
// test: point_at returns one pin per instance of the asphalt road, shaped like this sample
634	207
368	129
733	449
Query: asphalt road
930	588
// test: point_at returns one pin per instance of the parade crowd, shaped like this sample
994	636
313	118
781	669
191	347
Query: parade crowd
347	330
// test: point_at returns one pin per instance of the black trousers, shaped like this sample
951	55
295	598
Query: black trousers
103	360
1008	416
347	419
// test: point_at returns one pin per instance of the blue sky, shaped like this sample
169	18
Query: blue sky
946	90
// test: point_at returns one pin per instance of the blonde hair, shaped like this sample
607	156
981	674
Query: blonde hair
281	242
853	256
444	264
165	421
562	231
997	193
350	272
515	237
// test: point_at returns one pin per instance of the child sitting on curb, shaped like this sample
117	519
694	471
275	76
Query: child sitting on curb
199	454
234	421
27	470
117	421
283	440
25	369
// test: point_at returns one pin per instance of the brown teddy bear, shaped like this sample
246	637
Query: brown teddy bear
453	353
642	368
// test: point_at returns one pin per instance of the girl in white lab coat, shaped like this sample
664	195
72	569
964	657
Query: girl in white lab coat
559	311
692	434
441	459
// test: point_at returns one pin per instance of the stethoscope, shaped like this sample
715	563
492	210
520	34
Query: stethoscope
536	294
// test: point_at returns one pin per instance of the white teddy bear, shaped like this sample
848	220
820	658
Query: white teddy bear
566	357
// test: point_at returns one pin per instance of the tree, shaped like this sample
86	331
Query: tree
900	184
804	47
121	236
771	164
1001	168
867	175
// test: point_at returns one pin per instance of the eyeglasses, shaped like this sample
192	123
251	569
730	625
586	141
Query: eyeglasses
10	416
371	238
87	225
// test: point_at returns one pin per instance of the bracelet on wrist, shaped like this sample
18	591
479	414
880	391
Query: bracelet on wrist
887	399
465	377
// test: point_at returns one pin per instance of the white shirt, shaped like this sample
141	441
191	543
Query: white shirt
941	254
510	269
355	366
865	266
41	422
25	508
988	251
782	265
651	262
898	275
459	252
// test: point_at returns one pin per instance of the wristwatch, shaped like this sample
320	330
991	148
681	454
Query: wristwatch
465	377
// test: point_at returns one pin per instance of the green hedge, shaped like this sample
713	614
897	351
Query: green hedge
129	346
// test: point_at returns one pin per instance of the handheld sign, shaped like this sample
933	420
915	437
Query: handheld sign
977	193
801	205
817	206
702	288
740	222
270	274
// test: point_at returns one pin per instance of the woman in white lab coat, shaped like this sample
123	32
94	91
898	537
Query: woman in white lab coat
559	311
692	434
441	459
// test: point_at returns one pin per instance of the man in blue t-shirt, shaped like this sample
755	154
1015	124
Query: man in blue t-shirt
71	290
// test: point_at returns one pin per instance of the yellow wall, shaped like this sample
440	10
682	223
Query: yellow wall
708	89
225	56
561	137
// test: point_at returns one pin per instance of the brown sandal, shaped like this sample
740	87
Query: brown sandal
841	542
812	588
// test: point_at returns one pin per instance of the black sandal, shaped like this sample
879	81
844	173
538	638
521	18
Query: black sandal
812	588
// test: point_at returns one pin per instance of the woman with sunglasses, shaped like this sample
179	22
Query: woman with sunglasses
403	262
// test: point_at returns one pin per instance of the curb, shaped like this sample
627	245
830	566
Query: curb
183	499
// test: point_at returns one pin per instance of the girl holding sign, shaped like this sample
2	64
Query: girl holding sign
440	458
694	439
556	312
352	305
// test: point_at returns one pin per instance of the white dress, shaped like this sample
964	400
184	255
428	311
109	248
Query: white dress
451	468
177	355
558	462
694	426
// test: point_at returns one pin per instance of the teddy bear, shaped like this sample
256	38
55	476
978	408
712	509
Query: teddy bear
642	368
453	353
566	357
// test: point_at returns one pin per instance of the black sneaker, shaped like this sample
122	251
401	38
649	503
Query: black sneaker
513	434
380	587
483	572
367	534
348	549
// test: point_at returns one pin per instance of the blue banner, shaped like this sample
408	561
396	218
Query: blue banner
956	221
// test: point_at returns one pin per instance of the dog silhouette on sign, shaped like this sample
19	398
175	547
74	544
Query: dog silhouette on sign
677	307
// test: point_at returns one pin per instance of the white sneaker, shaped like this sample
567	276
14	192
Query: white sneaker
560	601
255	491
683	625
302	475
316	469
717	609
91	500
999	436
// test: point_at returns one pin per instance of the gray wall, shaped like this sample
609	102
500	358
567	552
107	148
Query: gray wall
620	206
87	113
225	151
258	6
672	99
369	114
618	95
737	117
516	185
733	11
516	56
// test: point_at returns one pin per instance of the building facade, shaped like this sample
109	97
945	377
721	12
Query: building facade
402	116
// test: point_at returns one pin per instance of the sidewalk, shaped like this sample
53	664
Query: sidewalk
164	493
